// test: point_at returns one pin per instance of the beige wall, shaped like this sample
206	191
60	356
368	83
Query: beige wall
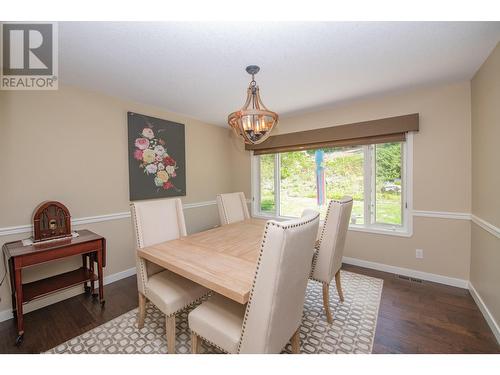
71	145
485	247
441	176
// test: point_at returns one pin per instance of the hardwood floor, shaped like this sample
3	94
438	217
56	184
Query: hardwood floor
413	318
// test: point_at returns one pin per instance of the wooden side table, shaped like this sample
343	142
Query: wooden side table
92	248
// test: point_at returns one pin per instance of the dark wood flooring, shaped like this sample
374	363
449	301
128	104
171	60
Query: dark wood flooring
413	318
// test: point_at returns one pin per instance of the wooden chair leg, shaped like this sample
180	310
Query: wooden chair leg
295	341
326	302
141	315
170	328
339	286
195	343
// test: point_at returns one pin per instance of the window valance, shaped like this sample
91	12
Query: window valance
391	129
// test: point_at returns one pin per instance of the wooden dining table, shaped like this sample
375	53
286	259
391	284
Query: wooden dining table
222	259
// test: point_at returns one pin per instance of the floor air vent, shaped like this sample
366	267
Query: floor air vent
407	278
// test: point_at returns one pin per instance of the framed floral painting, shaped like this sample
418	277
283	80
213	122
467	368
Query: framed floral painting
157	157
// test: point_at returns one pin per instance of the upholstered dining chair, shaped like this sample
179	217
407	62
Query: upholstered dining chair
273	314
232	208
330	248
159	221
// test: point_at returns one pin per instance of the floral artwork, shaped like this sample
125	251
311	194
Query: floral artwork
155	143
154	159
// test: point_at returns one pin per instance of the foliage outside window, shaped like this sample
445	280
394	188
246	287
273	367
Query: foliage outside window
372	175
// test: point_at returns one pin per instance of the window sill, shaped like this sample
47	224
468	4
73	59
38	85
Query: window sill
400	232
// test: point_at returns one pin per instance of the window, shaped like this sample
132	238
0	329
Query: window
374	175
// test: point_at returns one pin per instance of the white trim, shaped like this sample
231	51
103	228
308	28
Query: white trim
7	314
442	214
78	221
188	206
406	230
495	328
460	283
99	218
490	228
6	231
389	231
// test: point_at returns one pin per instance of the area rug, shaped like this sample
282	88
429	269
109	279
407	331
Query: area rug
352	330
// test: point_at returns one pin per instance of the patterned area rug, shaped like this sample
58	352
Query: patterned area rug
352	330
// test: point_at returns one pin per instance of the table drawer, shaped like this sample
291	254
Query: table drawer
46	256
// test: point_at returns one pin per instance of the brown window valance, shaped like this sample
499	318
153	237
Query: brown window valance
391	129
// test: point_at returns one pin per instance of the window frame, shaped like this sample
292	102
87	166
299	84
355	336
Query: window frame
405	230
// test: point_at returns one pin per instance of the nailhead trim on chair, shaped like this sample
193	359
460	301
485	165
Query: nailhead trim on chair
315	259
190	304
138	239
210	342
142	263
269	223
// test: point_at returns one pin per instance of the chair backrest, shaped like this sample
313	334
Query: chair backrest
274	309
232	208
328	260
157	221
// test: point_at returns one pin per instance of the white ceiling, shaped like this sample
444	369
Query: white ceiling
198	69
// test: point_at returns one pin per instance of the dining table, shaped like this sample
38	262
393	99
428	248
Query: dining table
222	259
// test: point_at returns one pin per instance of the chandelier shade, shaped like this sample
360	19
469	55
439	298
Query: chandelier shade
253	122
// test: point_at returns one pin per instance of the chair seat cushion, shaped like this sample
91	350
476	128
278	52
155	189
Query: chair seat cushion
219	321
171	292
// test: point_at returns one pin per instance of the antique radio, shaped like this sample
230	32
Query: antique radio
51	220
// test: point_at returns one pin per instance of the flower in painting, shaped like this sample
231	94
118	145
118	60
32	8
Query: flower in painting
168	160
138	154
167	185
162	175
151	168
159	150
158	182
161	167
158	158
170	169
148	156
141	143
148	133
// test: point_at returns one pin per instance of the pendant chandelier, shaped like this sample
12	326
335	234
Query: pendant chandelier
253	122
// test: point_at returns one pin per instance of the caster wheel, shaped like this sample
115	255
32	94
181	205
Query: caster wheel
87	290
19	339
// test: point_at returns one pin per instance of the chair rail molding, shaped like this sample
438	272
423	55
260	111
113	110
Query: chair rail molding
490	228
442	214
27	228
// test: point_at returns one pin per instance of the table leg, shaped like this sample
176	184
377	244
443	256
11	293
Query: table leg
84	263
19	305
92	258
13	287
99	274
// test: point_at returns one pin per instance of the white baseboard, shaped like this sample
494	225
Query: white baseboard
460	283
495	328
119	275
7	314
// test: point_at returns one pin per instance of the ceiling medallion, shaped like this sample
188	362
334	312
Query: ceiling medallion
253	122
